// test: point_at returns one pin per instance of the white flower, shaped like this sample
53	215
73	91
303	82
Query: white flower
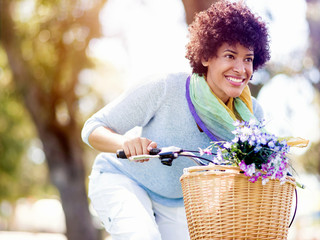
264	181
252	122
251	169
227	145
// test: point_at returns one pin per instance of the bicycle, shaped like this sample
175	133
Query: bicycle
168	154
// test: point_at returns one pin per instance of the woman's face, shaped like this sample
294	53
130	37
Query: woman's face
229	71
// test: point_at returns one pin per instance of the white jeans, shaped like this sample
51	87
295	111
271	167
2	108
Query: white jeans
128	213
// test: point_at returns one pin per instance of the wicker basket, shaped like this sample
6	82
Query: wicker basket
221	203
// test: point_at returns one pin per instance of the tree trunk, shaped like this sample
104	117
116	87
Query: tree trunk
314	29
67	174
61	143
194	6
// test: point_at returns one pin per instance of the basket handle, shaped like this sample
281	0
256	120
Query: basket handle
295	208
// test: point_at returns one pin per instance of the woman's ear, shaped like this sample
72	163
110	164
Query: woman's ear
205	63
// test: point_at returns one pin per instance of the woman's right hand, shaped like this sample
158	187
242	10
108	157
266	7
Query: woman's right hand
138	146
106	140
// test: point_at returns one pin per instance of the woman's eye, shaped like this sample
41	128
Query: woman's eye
249	60
229	56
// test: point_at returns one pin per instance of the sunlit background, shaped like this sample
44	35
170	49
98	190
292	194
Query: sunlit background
145	37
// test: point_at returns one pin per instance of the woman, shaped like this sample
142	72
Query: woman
143	200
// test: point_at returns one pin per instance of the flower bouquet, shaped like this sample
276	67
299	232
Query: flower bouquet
219	200
258	154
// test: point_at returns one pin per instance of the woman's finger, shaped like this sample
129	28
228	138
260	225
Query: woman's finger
151	145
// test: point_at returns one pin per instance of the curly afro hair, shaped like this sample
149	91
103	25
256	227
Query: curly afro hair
226	22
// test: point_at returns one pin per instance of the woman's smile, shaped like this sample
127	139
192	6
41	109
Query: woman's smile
235	80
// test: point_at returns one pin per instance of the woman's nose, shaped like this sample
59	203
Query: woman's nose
239	66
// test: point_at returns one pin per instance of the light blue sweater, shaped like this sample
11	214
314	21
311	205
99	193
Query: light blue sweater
159	106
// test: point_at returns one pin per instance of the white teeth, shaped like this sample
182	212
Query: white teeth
237	80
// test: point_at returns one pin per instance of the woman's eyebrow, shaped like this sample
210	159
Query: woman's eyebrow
229	50
234	52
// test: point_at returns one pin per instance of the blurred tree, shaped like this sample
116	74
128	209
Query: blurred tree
14	134
310	160
194	6
313	18
17	178
45	43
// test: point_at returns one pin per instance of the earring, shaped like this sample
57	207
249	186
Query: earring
251	77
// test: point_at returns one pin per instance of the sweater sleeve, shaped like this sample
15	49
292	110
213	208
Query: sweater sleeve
133	108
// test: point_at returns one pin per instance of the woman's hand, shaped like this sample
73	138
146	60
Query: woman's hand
105	140
138	146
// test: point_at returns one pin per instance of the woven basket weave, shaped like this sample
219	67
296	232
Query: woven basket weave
221	203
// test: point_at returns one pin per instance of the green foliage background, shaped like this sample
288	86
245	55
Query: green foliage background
19	175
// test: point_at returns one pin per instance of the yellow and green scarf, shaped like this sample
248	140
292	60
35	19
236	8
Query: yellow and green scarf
212	115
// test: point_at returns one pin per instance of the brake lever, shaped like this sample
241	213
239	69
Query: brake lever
168	154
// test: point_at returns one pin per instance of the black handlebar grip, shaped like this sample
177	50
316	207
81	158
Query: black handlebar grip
121	154
154	151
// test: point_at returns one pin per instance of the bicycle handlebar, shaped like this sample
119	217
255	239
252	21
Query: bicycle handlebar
166	155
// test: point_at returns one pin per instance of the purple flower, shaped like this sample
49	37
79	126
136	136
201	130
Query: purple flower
255	177
243	166
206	151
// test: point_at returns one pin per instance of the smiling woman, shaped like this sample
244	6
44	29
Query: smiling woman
231	23
143	199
